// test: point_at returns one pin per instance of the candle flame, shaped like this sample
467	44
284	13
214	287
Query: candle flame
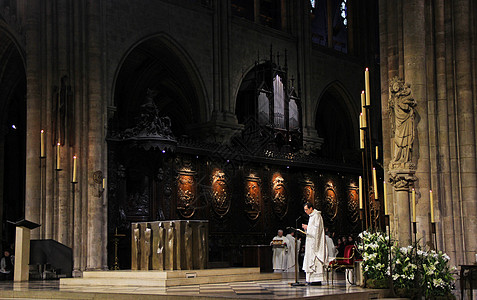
367	69
74	156
42	131
58	144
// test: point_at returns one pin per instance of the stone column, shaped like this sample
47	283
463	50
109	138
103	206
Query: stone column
94	137
402	180
465	102
311	140
32	183
415	73
223	123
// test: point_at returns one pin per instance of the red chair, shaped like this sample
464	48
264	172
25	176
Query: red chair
345	262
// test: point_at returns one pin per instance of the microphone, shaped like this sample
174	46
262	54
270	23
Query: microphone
298	218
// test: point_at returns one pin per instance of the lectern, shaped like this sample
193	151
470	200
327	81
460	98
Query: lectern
22	248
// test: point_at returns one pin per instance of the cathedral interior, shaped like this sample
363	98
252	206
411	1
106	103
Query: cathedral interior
237	112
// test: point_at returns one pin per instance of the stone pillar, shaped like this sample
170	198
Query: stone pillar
414	37
32	178
465	104
94	137
223	123
401	181
311	140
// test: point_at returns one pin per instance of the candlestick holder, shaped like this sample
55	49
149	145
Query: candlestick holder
390	258
414	231
117	237
434	234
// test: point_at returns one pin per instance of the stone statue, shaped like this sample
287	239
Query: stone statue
401	106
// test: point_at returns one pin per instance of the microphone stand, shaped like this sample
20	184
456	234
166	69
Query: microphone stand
296	283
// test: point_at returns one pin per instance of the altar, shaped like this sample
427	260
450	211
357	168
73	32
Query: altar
169	245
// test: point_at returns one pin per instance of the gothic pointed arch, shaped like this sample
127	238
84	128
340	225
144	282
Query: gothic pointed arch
159	63
337	123
12	133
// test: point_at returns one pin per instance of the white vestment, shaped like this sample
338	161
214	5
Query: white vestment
315	248
291	252
280	253
332	251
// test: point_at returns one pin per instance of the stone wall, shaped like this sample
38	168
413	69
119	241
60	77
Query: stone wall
432	47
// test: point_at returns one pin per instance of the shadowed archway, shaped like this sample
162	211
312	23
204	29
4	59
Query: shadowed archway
12	136
335	124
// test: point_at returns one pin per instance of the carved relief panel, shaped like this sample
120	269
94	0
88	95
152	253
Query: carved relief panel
353	202
308	191
220	193
186	190
331	201
279	195
253	196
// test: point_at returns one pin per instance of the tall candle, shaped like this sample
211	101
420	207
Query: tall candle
58	156
363	109
377	152
385	198
74	169
414	205
432	206
104	183
360	192
361	120
375	183
366	81
42	143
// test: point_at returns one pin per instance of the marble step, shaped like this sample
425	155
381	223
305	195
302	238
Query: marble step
153	274
167	282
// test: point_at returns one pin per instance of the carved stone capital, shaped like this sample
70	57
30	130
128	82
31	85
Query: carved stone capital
402	179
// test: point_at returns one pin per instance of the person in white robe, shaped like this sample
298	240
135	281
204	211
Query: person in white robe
332	251
291	256
280	250
315	246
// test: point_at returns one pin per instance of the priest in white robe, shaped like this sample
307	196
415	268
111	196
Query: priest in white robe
315	246
291	256
280	250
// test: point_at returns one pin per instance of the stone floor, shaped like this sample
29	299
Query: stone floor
276	289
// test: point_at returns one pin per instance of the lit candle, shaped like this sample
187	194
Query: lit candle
42	143
432	206
58	156
360	192
375	183
385	199
363	109
366	81
74	169
361	138
377	152
104	183
414	205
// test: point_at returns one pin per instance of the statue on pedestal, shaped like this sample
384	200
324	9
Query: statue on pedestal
401	106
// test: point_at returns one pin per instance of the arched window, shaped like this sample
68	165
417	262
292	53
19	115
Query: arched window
329	25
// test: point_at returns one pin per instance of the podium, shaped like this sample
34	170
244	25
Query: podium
22	248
